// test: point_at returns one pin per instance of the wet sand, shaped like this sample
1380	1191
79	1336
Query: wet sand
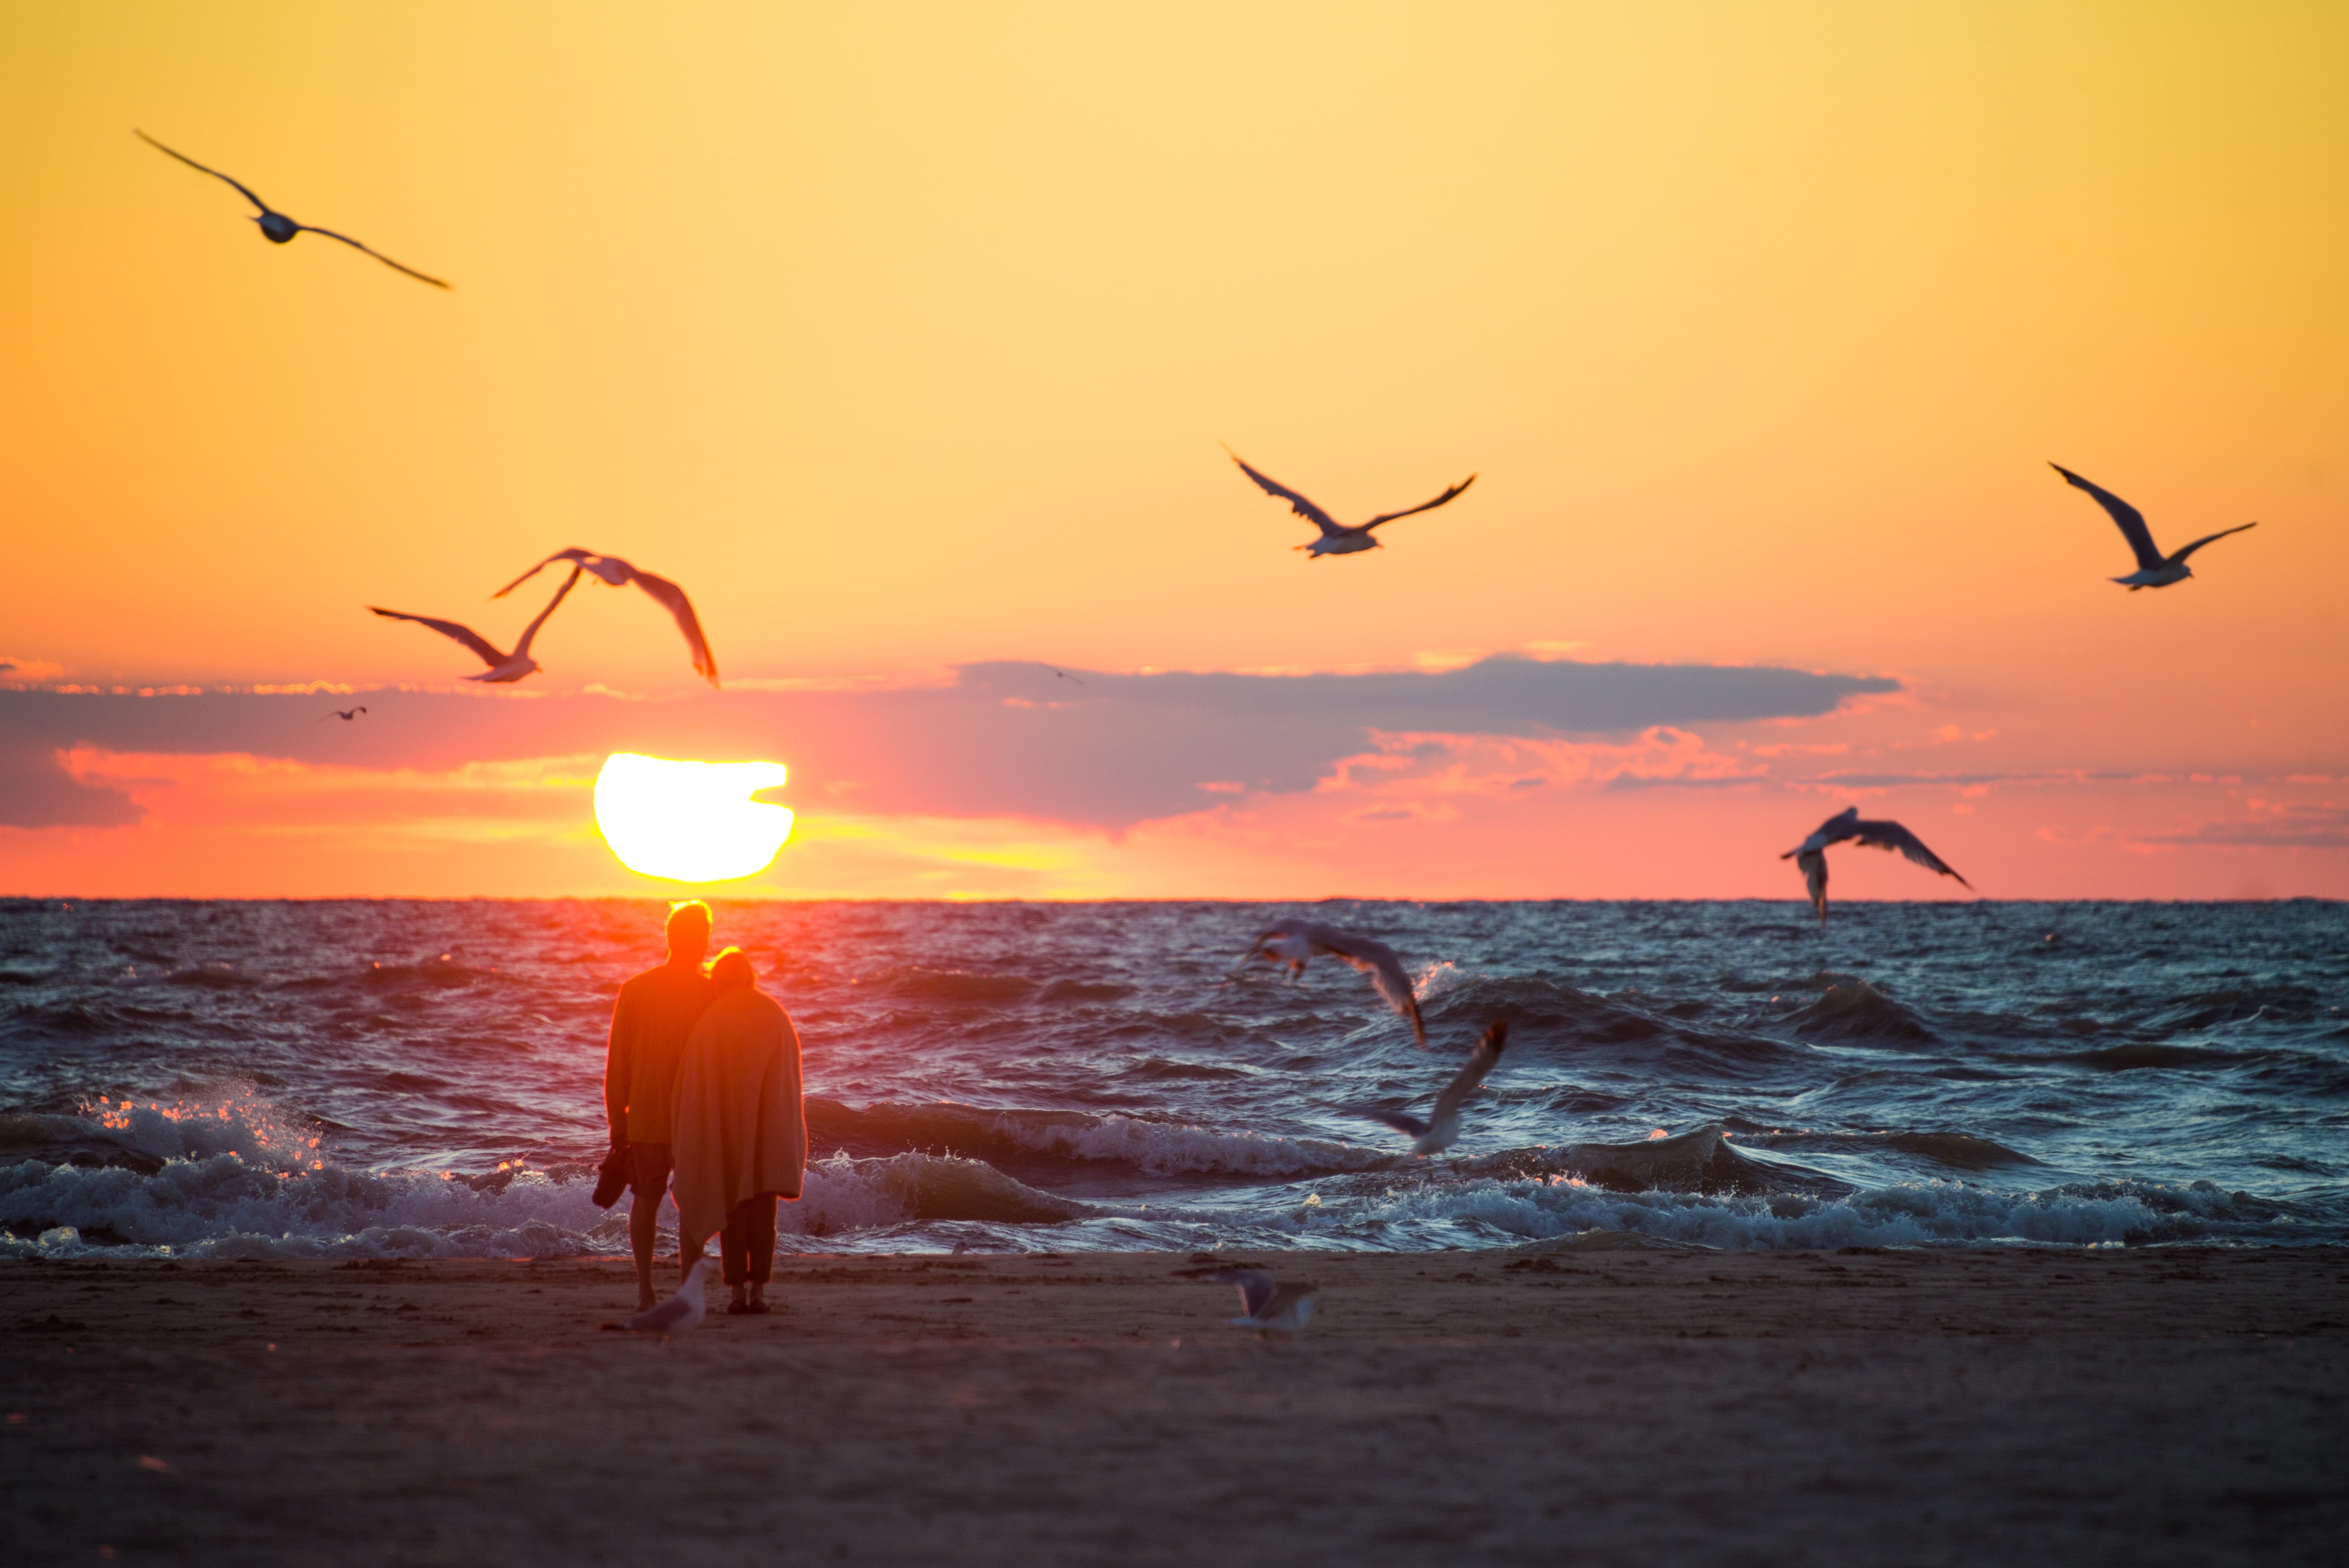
1616	1405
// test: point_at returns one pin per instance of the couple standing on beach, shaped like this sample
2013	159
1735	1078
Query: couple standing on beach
701	1086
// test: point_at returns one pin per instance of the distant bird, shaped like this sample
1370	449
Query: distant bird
2154	570
1336	539
505	668
277	228
1441	1131
1295	941
619	574
680	1311
345	714
1811	854
1265	1306
1066	676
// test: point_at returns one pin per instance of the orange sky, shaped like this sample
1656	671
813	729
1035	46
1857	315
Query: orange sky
906	336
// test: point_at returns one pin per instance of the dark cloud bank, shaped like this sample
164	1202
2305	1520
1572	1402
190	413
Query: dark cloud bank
1004	738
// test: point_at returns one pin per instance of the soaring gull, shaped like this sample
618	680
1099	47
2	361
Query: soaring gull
1294	942
503	667
277	228
680	1311
2154	570
345	714
1264	1306
1811	854
1441	1131
1336	539
619	574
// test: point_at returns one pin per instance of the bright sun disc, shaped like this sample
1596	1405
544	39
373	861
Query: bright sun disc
690	821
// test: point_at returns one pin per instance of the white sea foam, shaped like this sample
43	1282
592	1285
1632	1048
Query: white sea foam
1909	1214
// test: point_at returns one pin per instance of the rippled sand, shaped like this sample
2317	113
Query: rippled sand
1592	1401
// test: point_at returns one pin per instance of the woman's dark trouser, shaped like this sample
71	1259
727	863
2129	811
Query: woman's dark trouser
746	1248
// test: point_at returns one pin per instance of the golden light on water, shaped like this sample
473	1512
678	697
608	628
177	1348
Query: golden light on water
690	821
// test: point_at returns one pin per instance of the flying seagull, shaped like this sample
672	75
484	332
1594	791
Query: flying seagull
503	668
619	574
1295	941
277	228
345	714
1264	1306
1336	539
2154	570
680	1311
1441	1131
1811	854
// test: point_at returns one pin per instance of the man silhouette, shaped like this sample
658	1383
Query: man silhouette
655	1013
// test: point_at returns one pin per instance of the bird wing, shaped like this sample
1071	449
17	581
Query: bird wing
1893	836
1422	506
1489	1046
193	164
1304	507
523	647
1410	1125
670	595
2132	522
1380	962
480	646
1815	876
379	255
667	1315
575	555
2209	537
1255	1286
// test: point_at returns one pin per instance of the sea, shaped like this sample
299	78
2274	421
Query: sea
416	1079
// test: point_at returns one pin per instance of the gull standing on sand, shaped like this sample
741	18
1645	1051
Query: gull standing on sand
1336	538
2154	570
1265	1306
680	1311
619	574
1294	942
1811	854
503	667
277	228
1441	1131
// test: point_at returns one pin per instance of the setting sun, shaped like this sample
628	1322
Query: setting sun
690	821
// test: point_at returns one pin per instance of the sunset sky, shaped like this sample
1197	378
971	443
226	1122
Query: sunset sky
904	337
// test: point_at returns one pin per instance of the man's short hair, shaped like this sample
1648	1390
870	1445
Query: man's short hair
693	912
732	968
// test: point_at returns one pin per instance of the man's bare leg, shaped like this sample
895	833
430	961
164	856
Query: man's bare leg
644	1228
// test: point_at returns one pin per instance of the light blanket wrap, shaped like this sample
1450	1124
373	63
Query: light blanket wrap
736	1127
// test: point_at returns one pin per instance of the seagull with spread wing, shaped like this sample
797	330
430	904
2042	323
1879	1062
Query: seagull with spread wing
682	1311
619	574
1265	1306
1846	826
1296	942
1336	539
2154	570
277	228
1441	1131
505	668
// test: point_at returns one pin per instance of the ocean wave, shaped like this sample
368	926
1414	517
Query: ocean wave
1549	1019
1859	1011
1924	1213
956	986
1005	1135
226	1206
1698	1161
1958	1150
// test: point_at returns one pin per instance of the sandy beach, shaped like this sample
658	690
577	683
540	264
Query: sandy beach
1564	1402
